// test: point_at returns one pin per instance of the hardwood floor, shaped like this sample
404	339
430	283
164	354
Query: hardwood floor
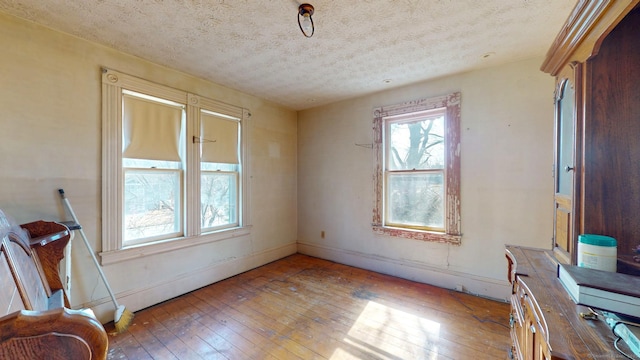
302	307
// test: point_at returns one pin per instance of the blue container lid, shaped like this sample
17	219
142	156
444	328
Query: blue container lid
597	240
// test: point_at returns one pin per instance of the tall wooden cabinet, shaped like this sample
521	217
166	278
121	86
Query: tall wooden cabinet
596	61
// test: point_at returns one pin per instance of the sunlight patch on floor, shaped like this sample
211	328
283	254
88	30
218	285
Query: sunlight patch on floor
387	333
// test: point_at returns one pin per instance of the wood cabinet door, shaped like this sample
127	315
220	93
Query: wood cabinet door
564	169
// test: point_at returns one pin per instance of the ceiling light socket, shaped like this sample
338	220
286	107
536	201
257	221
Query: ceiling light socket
305	12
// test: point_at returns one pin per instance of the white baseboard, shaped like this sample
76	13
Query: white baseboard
472	284
166	289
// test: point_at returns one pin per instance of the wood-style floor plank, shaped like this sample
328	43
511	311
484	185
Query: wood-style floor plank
302	307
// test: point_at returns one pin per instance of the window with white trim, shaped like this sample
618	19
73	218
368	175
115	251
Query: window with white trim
219	171
174	169
417	179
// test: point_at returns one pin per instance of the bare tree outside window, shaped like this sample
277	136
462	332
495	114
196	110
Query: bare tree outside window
151	200
218	198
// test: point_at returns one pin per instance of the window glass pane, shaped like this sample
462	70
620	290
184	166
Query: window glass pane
152	200
416	144
416	200
219	196
566	140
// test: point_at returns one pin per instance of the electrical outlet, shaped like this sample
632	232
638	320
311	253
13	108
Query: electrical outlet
460	288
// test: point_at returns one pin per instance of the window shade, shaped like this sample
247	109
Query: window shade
219	139
151	129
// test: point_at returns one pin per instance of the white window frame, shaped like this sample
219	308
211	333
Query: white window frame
452	222
113	84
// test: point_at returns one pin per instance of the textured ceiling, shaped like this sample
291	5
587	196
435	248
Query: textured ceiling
359	47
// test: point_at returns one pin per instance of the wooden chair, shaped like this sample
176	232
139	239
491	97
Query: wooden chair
34	323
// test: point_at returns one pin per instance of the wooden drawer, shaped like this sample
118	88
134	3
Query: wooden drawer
529	331
545	322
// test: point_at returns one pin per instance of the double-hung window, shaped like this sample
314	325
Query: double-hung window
219	171
173	171
417	181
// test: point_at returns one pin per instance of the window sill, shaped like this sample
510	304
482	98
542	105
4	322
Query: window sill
418	235
139	251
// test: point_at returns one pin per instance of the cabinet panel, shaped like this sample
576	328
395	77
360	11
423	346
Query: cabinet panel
563	225
612	128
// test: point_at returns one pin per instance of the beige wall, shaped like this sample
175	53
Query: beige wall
507	193
50	138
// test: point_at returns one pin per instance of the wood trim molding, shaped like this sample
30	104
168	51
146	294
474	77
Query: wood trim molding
418	235
580	37
452	222
137	252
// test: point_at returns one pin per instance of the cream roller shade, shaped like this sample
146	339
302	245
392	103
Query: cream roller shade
219	139
151	129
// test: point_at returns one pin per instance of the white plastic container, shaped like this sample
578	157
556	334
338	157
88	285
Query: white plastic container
597	252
